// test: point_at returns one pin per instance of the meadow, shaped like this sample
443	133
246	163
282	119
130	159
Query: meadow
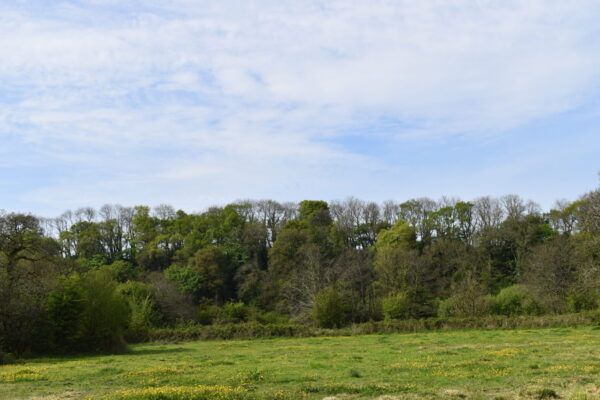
472	364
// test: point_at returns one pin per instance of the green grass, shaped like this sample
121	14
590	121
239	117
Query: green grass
500	364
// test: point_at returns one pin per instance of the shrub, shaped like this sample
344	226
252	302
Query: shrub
466	306
330	309
516	300
92	263
445	308
487	304
6	358
547	394
396	306
469	299
271	317
582	301
144	314
206	315
105	316
232	331
188	280
90	314
142	318
65	312
135	289
354	373
251	330
234	312
122	271
171	303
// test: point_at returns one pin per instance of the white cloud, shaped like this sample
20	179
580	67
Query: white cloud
241	89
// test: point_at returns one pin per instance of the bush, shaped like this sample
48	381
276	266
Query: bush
446	308
135	289
172	305
93	263
122	271
206	315
516	300
582	301
144	313
189	332
106	314
547	394
471	306
188	280
232	331
142	319
90	314
271	317
65	312
6	358
232	313
396	306
330	309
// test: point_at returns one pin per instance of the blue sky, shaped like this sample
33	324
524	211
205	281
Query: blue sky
195	103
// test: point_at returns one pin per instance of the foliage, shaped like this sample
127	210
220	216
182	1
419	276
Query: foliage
172	304
234	312
516	300
445	308
188	280
399	235
396	306
105	316
329	310
582	300
208	274
551	273
469	299
88	278
142	319
90	314
143	309
28	273
123	271
65	310
207	314
248	330
271	318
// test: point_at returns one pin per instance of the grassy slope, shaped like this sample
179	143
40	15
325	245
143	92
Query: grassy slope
475	364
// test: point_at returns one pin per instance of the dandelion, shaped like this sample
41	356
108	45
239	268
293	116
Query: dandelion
23	375
559	368
199	392
506	352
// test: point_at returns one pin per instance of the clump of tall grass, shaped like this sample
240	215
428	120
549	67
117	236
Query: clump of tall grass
546	393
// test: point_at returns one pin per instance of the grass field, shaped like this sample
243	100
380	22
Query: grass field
528	364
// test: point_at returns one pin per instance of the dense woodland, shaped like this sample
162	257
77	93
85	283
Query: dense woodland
88	278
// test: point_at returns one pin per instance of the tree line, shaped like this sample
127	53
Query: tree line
86	279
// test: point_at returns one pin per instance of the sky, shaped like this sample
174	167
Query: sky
195	103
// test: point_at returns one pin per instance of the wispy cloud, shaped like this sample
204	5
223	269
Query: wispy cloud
189	102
